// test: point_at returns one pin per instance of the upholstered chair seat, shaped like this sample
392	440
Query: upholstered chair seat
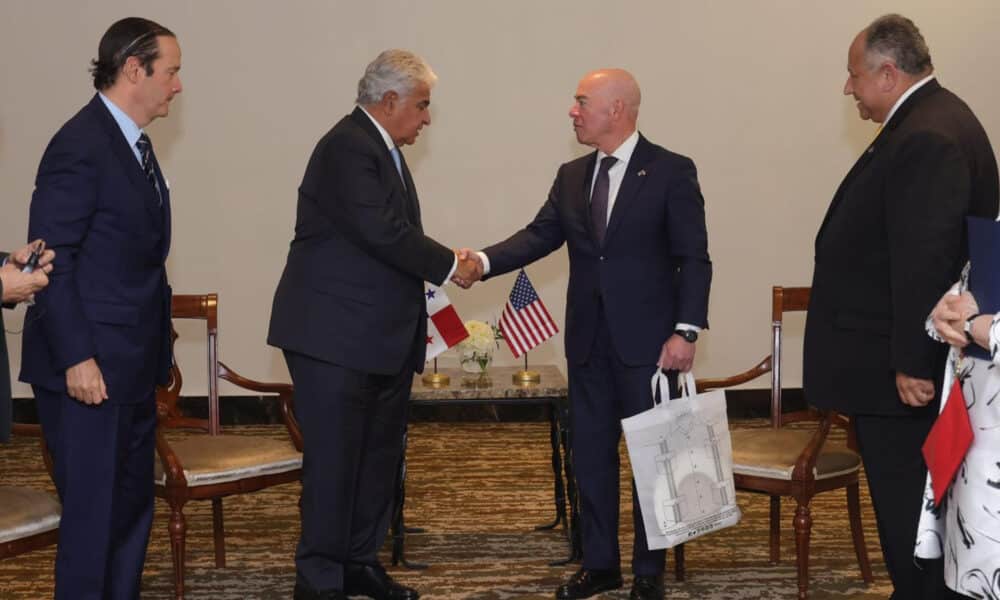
774	452
215	459
26	512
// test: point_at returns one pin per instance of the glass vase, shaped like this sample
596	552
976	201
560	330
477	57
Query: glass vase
476	362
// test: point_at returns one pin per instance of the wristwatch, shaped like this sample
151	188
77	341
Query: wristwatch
968	326
690	335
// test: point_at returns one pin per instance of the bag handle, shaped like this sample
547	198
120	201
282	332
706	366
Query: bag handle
661	383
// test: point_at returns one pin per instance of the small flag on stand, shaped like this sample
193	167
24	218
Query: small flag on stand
525	322
444	327
948	441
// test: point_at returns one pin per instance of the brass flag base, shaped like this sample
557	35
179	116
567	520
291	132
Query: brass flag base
526	376
436	380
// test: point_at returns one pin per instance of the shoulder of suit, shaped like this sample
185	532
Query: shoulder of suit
669	157
347	132
83	131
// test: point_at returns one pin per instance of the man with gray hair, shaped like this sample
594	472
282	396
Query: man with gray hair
892	242
350	316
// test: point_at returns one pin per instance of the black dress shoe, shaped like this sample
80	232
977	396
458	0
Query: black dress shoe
587	582
374	582
304	592
647	588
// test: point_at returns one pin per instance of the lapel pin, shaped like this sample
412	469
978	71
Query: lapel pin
641	173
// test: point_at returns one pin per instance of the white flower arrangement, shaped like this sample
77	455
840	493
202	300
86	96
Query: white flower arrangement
479	346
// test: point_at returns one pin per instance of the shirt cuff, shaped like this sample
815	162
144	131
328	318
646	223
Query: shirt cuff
486	262
454	265
687	327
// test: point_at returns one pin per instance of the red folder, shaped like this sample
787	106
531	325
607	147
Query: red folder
949	440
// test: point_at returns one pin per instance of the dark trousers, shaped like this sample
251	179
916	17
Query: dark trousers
352	427
890	447
103	469
602	391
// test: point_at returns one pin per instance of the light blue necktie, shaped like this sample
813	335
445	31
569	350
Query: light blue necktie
399	164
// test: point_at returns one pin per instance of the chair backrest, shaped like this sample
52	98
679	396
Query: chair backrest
783	300
202	307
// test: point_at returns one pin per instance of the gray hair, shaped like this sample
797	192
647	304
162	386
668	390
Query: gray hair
897	38
393	71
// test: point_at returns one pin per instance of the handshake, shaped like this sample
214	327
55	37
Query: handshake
469	270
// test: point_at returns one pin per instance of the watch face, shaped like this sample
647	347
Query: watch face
688	335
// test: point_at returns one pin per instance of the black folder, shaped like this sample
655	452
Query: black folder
984	273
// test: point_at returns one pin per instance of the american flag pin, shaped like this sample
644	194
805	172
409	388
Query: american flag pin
642	173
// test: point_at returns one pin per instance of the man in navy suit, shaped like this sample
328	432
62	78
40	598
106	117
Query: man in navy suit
350	316
633	219
97	340
17	286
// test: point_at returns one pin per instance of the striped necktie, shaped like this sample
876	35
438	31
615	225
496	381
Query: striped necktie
145	148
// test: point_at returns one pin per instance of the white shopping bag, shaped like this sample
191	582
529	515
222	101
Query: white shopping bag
682	462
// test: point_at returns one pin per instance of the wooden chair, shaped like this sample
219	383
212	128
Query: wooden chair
797	462
210	465
29	519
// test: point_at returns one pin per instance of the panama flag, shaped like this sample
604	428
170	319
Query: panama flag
444	327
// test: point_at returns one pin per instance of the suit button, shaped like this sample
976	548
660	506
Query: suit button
602	258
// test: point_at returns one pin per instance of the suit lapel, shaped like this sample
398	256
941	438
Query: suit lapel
124	153
877	144
413	205
583	204
635	176
164	207
362	120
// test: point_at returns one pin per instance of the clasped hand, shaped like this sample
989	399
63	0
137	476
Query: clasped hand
949	315
469	270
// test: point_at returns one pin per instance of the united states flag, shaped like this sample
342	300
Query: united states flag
525	322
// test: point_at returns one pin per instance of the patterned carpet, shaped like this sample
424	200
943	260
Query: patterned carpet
478	489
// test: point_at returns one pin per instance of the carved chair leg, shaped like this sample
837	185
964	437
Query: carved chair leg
219	533
177	527
774	544
803	527
858	532
679	562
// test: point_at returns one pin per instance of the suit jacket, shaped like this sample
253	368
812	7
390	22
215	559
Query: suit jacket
107	296
5	401
892	242
651	272
352	290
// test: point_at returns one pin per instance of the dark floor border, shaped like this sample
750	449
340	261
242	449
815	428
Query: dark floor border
257	410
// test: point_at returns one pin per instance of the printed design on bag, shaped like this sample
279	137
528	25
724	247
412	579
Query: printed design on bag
691	483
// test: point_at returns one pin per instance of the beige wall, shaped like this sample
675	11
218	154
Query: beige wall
750	90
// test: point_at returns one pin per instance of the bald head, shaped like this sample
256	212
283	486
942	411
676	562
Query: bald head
618	85
606	108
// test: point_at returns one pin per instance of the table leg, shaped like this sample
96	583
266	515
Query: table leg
559	490
573	522
398	524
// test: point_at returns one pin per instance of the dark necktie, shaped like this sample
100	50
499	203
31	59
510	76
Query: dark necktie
599	199
146	152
